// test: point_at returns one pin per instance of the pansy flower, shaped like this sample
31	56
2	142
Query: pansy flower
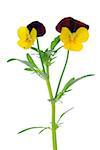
73	33
28	35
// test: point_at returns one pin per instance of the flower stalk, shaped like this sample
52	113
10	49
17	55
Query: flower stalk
62	74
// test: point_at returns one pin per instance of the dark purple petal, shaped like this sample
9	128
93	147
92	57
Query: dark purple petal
70	23
38	26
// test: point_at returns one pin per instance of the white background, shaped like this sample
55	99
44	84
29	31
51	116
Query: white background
24	97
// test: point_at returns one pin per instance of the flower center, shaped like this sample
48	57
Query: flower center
29	38
72	37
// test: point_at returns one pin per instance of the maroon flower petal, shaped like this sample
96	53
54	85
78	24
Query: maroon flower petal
70	23
38	26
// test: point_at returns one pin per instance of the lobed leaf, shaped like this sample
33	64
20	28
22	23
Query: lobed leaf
31	66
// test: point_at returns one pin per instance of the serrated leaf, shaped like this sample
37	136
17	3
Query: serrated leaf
54	42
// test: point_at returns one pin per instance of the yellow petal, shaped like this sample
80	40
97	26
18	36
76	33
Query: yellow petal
82	34
26	44
73	46
65	34
23	33
33	34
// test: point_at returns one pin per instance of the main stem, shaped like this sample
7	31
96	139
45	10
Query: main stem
53	107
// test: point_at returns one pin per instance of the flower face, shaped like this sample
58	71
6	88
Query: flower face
73	41
73	33
27	35
26	38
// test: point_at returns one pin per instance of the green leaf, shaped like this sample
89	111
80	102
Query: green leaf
69	90
55	42
49	55
32	66
69	84
30	129
33	48
64	90
45	56
22	61
85	76
12	59
31	61
28	69
44	129
64	114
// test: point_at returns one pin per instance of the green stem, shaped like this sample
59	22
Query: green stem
62	74
53	107
54	138
40	55
47	70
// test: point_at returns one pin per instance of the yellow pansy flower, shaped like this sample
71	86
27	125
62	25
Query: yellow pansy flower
74	40
26	38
